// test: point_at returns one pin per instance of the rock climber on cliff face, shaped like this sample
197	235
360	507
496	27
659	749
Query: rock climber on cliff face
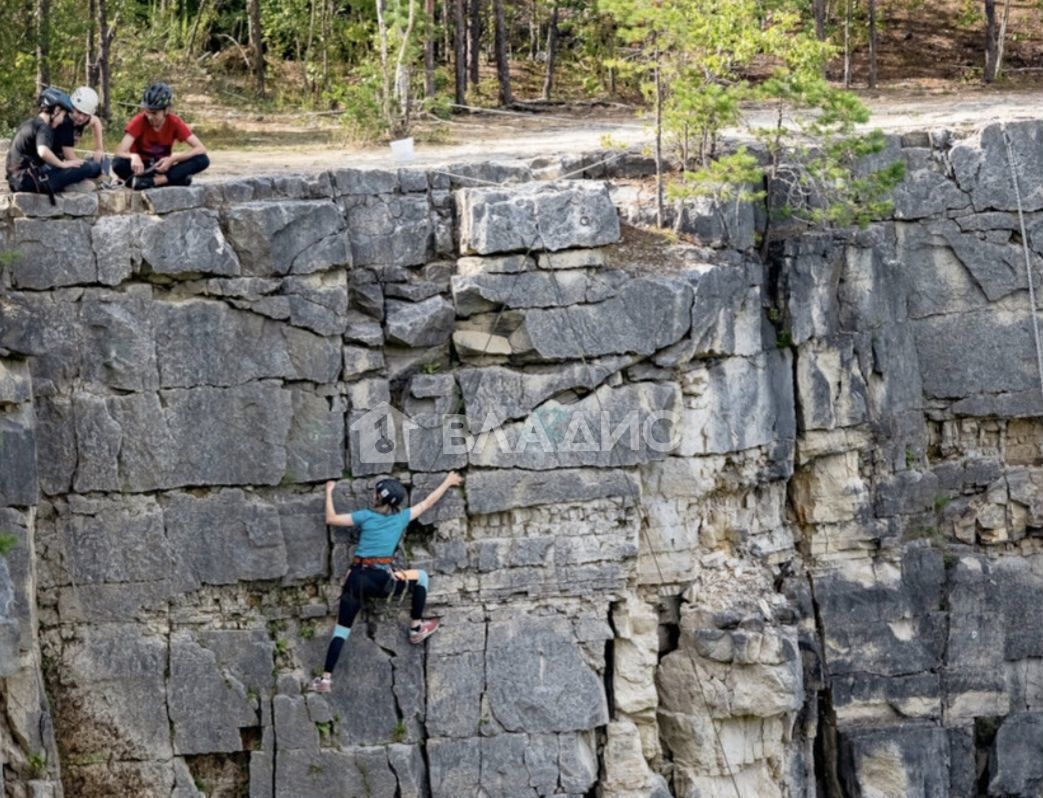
371	574
145	156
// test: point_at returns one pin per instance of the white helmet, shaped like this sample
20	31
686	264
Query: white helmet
85	100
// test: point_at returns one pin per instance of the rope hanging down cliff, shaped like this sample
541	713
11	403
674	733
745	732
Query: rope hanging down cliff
1033	309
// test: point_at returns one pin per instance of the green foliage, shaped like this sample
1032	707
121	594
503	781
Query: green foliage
813	169
398	734
38	765
7	543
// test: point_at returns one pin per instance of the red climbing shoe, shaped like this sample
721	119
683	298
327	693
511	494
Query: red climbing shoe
320	685
418	634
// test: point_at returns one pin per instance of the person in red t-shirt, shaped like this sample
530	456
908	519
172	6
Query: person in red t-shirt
145	158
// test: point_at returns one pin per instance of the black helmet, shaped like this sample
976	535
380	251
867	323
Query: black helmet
52	97
157	97
391	492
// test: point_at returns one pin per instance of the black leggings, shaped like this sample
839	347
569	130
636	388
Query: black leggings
57	178
366	582
175	175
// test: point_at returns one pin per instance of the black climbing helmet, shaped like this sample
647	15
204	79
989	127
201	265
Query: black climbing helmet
51	98
391	492
157	97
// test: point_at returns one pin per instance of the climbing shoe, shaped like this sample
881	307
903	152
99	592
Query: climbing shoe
141	182
320	685
418	634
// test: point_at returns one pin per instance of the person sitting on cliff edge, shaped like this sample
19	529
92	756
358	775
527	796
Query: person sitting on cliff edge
82	116
34	163
145	158
371	574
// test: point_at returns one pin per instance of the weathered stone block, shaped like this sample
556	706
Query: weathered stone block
315	446
390	230
621	426
52	253
115	678
193	437
646	315
453	765
366	181
502	489
174	198
19	485
187	242
225	537
39	205
534	217
716	223
203	342
737	404
206	710
293	236
981	168
427	323
560	694
494	394
986	357
901	760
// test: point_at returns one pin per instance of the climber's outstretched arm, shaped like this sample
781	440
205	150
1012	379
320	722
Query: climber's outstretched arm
451	480
331	514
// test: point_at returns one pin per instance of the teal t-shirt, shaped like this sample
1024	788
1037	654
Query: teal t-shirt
378	533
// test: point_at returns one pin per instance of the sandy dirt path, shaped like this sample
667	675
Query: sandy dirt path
503	136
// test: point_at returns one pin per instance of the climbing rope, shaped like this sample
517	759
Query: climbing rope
1033	308
565	176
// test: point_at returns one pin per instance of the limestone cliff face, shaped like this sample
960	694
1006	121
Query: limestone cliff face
728	528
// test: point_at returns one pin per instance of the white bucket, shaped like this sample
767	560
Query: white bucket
402	150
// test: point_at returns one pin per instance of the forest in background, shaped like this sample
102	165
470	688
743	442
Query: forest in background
383	67
386	63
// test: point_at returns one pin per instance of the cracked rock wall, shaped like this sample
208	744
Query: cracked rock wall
728	527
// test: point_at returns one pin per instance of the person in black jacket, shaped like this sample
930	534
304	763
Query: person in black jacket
33	162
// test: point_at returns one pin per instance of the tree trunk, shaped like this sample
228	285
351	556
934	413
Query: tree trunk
42	18
253	12
385	69
447	45
91	65
309	48
503	71
402	78
326	29
872	44
818	9
106	33
534	30
475	48
658	144
847	45
429	49
990	41
552	51
460	50
1001	38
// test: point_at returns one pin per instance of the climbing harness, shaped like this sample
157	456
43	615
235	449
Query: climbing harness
1033	309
